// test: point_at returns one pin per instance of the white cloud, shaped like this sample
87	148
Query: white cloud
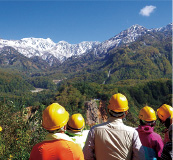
147	10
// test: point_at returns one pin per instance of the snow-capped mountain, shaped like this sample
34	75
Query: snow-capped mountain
46	48
63	50
127	36
49	51
124	37
163	29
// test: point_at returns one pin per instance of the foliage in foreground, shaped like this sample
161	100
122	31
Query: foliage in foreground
18	136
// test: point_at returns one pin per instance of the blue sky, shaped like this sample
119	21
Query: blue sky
77	21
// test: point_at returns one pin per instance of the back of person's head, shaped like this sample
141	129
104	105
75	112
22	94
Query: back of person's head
147	116
165	114
76	123
118	105
54	117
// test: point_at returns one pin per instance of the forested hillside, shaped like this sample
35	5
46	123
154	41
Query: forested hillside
149	57
12	59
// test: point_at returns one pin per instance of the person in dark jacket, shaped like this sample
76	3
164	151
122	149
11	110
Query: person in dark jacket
167	153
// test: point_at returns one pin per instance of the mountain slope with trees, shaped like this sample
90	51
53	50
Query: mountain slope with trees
15	61
149	57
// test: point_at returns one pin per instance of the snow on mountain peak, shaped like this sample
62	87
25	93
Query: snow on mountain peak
38	43
127	36
136	26
63	49
46	48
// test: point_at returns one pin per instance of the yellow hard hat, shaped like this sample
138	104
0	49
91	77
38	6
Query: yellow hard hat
76	122
0	128
54	117
147	114
164	112
118	103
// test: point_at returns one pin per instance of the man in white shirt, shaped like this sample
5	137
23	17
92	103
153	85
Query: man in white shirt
113	140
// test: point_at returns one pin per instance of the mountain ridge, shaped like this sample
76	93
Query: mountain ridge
52	52
148	57
31	47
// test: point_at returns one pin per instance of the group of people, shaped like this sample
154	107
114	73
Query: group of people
112	140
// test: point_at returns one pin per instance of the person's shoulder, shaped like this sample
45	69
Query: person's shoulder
73	145
130	129
85	132
155	135
39	144
98	126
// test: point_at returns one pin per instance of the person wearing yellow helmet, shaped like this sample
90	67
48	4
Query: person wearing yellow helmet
165	115
113	140
152	142
75	130
57	145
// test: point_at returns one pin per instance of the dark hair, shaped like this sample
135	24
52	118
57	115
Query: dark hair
170	131
150	123
116	114
167	122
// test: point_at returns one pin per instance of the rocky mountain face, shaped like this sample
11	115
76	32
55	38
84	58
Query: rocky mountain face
127	36
55	53
96	113
47	49
124	37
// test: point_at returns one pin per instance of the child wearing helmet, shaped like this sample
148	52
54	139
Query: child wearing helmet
57	145
165	115
152	142
75	130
